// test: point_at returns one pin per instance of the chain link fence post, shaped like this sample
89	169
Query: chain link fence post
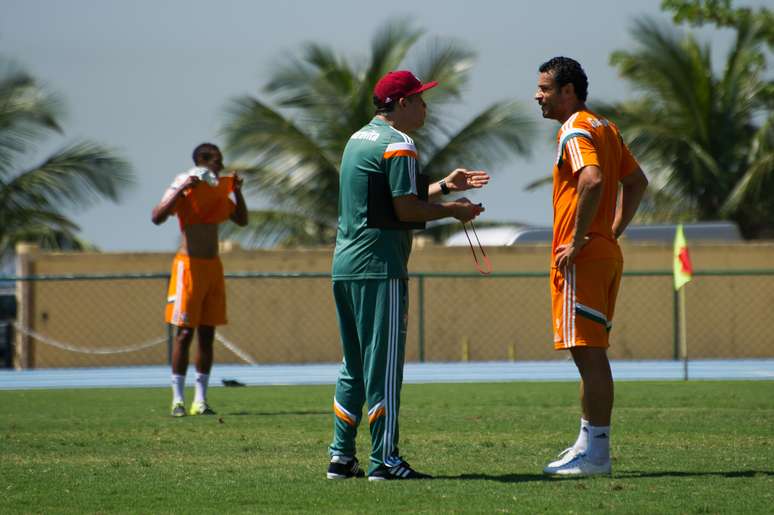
170	341
421	294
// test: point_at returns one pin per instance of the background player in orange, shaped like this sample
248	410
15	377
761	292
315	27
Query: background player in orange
201	199
589	216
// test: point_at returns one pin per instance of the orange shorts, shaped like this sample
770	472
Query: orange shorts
197	292
583	301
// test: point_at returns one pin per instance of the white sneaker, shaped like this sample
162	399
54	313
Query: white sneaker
564	457
580	466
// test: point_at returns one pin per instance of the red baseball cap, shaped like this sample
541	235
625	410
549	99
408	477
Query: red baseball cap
399	84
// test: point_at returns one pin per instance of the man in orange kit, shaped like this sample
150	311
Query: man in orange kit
591	162
196	299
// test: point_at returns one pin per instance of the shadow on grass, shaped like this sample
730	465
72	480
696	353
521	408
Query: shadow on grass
275	413
632	474
679	473
504	478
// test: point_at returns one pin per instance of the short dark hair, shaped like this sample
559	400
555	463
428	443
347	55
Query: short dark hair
568	71
382	107
205	153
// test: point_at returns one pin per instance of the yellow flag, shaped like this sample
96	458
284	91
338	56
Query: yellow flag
683	269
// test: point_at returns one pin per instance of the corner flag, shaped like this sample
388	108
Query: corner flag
683	269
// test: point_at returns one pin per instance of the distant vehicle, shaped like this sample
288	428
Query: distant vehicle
502	235
506	235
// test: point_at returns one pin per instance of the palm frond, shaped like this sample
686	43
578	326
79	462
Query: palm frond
745	62
45	227
671	70
255	128
539	183
651	134
78	175
282	160
319	83
50	239
271	228
27	110
24	100
502	129
290	145
448	62
32	200
696	131
662	206
16	219
389	48
757	184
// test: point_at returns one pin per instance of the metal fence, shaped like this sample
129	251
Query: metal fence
117	320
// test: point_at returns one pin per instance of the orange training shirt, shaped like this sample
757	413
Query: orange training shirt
205	204
586	139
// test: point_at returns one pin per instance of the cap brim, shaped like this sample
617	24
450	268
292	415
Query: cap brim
423	87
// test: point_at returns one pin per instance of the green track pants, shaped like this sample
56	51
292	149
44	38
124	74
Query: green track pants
372	317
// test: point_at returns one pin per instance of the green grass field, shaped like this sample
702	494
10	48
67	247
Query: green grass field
696	447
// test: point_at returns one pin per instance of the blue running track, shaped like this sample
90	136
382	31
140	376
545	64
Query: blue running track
478	372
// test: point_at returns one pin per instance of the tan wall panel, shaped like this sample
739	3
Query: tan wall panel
293	320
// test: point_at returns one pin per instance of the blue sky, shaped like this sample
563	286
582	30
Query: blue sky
150	78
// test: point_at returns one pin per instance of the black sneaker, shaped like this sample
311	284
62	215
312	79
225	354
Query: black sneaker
401	471
344	470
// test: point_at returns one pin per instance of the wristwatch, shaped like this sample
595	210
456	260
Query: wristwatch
444	188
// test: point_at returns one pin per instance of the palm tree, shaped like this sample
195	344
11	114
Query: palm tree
32	198
706	140
292	151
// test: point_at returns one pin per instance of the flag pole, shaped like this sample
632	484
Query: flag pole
683	271
683	331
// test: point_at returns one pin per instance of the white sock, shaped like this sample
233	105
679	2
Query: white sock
202	380
341	459
582	443
599	444
178	389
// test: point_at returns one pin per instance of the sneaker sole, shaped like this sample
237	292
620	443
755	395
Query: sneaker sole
330	475
583	474
579	473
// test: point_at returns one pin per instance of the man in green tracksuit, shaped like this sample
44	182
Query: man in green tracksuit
370	273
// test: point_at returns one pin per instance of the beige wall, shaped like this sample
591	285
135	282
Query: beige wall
293	320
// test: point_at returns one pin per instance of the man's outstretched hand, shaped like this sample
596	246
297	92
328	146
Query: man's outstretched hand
463	179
